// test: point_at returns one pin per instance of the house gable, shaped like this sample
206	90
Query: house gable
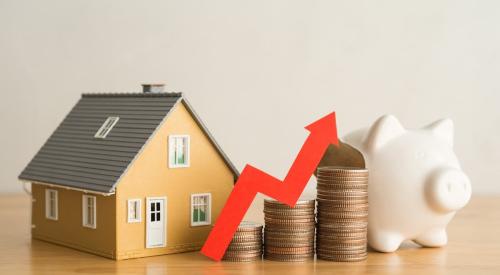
78	156
149	175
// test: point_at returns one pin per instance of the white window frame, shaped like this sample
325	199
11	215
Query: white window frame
138	210
85	211
48	204
172	150
209	212
106	127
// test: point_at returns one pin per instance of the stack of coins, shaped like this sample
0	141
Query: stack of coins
289	232
342	214
246	244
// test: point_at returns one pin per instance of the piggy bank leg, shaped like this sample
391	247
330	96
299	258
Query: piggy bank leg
384	241
433	238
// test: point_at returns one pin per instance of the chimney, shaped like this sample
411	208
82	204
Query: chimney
153	88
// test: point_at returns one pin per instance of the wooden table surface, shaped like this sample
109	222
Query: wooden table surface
474	248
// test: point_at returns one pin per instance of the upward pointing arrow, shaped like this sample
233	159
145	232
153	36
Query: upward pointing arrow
252	180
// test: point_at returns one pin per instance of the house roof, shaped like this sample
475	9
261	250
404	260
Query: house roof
72	157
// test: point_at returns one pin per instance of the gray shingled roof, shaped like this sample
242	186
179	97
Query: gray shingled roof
72	157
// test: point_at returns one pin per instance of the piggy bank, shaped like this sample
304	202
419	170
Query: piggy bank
415	183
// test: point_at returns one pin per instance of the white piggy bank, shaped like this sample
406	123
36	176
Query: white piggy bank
415	184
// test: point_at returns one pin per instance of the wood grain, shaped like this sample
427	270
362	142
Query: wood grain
474	248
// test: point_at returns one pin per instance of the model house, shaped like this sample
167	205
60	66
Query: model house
129	175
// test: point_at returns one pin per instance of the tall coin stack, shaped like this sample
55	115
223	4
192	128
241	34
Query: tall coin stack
289	232
246	244
342	214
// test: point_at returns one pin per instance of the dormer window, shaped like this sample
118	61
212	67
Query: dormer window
106	127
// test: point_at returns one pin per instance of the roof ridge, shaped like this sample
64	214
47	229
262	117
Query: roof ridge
166	94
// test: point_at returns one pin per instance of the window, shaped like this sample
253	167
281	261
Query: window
201	205
134	210
89	211
51	207
155	211
178	151
106	127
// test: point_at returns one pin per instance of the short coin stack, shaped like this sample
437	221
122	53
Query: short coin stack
342	214
246	244
289	232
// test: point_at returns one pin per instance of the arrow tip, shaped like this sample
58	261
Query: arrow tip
325	127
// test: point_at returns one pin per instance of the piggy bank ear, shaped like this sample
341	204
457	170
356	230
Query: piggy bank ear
382	131
442	129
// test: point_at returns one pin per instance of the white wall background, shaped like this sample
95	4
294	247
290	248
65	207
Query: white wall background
258	71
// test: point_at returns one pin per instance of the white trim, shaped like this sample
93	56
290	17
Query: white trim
171	151
105	129
71	188
25	187
163	217
138	204
85	211
209	212
47	204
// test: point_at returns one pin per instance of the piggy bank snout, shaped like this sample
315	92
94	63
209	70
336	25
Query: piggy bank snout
448	189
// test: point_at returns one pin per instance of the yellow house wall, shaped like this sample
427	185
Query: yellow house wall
150	176
68	230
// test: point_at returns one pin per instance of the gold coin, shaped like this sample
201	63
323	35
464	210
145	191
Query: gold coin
289	258
353	187
333	227
280	235
363	179
342	242
327	207
288	212
342	249
341	169
289	243
337	212
343	173
299	203
244	249
340	192
343	199
290	218
342	185
290	231
274	234
246	238
241	254
289	240
343	181
247	235
308	219
341	203
342	258
289	250
242	259
281	208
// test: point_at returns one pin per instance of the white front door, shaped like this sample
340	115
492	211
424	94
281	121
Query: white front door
156	222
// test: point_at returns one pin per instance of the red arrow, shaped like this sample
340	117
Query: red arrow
253	180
